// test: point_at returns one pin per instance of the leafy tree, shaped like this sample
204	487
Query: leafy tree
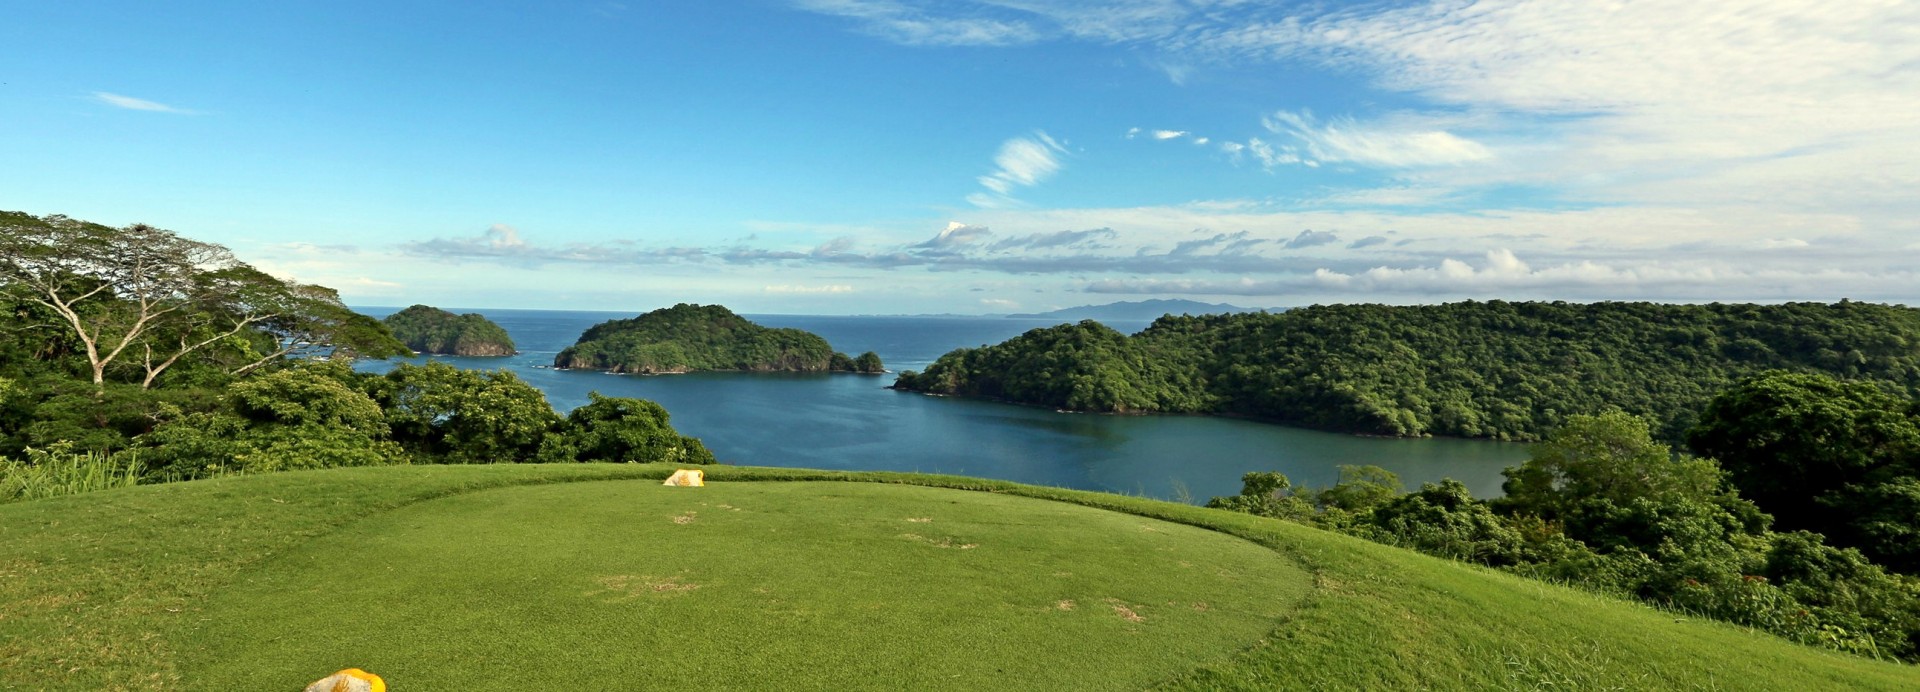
1265	494
464	416
1443	519
1840	458
296	418
622	429
145	297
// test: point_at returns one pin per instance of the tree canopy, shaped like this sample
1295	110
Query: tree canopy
136	301
1496	369
690	338
432	330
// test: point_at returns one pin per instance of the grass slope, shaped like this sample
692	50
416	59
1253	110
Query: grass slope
153	586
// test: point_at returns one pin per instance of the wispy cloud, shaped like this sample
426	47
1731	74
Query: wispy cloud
1021	162
135	104
1392	144
903	23
800	289
1169	134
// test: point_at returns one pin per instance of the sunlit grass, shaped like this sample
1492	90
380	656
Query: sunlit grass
168	586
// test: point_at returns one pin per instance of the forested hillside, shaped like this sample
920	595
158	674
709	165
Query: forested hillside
689	338
1497	369
432	330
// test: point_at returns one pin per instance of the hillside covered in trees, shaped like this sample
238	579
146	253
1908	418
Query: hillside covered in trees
691	338
1497	369
432	330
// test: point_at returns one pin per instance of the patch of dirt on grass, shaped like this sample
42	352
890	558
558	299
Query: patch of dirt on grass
1063	604
919	520
685	518
1201	606
627	586
943	542
1125	611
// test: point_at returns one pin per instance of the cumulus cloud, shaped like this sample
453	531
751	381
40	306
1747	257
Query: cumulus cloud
955	235
1502	273
1169	134
134	104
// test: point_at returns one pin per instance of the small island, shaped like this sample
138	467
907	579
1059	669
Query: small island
694	338
432	330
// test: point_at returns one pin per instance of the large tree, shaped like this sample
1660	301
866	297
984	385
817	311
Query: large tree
146	297
1837	457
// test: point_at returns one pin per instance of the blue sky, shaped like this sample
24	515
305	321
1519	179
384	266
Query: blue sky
904	156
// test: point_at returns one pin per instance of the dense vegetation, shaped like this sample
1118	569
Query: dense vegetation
1494	369
1602	505
432	330
691	338
132	354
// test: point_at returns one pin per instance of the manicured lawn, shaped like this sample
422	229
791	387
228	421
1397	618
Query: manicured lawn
816	585
521	577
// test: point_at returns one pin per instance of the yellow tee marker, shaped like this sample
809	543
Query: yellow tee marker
349	680
687	478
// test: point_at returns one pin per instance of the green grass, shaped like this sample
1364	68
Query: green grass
437	576
54	473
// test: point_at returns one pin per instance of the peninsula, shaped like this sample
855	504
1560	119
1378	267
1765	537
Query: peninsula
694	338
432	330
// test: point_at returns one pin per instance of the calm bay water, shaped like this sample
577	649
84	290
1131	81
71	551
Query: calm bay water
852	422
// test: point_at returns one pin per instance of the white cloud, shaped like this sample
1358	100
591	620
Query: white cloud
1169	134
955	235
1391	144
902	23
1021	162
502	237
1782	243
800	289
999	303
1502	273
134	104
1132	132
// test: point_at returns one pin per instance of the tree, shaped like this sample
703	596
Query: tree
1609	457
464	416
1266	494
1839	458
297	418
146	294
620	429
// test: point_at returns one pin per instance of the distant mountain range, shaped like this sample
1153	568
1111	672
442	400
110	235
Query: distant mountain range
1137	310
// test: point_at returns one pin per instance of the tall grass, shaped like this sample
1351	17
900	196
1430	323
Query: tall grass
59	471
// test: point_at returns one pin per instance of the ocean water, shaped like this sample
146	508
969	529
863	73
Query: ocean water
853	422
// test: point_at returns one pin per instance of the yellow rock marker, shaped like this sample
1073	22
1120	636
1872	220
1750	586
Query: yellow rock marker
349	680
687	478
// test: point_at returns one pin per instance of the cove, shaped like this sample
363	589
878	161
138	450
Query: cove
853	422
